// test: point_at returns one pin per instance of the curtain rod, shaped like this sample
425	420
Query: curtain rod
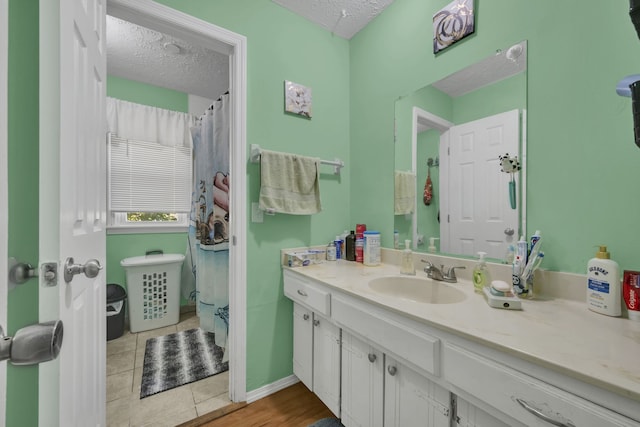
337	163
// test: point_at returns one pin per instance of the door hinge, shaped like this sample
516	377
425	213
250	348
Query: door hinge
233	239
448	218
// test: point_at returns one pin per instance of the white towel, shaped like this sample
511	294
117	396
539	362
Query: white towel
405	192
289	183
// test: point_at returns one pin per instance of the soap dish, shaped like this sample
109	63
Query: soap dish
507	303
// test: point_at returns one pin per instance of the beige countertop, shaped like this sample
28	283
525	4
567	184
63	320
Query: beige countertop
555	333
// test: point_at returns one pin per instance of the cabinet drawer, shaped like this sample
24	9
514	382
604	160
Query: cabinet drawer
520	396
304	291
412	345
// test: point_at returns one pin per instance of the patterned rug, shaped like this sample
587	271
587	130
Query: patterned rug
179	358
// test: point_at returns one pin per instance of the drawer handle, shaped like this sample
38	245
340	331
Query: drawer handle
305	316
538	413
372	357
302	293
392	370
316	322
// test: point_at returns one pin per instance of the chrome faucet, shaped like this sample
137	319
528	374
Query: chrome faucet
442	274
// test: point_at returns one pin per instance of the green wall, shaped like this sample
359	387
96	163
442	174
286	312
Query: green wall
120	246
582	161
143	93
22	307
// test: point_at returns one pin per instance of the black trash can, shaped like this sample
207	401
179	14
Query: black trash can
116	299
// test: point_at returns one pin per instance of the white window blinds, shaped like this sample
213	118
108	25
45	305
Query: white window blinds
148	177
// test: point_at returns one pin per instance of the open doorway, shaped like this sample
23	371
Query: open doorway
181	48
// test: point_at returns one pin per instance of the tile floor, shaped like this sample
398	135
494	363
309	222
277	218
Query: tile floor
125	356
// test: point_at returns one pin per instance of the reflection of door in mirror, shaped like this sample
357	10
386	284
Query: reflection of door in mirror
479	209
490	87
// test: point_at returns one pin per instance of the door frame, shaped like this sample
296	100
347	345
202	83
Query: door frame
423	120
187	27
4	190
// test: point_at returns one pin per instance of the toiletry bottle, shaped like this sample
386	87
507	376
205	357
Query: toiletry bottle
432	244
631	293
343	237
519	263
350	246
339	252
331	251
407	266
510	255
481	277
396	239
603	284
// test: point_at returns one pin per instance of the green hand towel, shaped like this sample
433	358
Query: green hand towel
289	183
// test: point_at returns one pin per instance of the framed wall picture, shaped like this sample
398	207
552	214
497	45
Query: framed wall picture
297	99
452	23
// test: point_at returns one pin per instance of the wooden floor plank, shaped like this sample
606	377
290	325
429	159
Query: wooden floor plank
294	406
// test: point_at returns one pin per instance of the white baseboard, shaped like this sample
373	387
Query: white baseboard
268	389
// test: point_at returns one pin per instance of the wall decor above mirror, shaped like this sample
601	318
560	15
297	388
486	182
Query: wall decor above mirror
464	123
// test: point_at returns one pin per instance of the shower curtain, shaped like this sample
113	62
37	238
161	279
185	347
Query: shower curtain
208	249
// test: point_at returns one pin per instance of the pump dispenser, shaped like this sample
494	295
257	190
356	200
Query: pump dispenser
432	244
603	284
481	277
408	266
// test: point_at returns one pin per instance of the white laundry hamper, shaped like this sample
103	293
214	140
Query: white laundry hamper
153	288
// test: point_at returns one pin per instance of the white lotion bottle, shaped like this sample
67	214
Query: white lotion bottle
603	284
407	266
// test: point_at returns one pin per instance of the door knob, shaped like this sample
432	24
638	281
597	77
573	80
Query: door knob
32	344
509	231
392	370
372	357
90	269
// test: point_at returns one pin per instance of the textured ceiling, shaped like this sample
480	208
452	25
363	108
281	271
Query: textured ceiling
147	56
341	17
144	55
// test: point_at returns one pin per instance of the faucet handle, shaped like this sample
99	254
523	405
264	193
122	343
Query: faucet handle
426	261
451	274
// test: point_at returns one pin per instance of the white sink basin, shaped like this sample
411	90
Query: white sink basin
417	289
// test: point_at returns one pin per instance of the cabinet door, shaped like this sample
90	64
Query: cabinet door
411	400
303	345
326	363
469	415
362	383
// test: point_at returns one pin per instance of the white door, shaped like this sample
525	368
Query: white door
303	345
411	400
4	204
326	363
479	206
362	383
79	185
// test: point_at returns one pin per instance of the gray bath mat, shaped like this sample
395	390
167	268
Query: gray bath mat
327	422
179	358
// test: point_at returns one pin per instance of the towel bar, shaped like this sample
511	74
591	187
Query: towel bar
337	163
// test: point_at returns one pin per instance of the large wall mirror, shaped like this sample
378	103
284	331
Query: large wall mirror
466	134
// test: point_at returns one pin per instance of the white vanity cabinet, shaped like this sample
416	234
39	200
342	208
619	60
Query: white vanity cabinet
316	340
376	366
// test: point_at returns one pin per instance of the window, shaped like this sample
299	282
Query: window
149	186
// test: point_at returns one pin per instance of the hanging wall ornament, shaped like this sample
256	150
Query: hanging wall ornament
510	165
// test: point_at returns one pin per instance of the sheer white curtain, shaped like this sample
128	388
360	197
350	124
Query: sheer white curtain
144	123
